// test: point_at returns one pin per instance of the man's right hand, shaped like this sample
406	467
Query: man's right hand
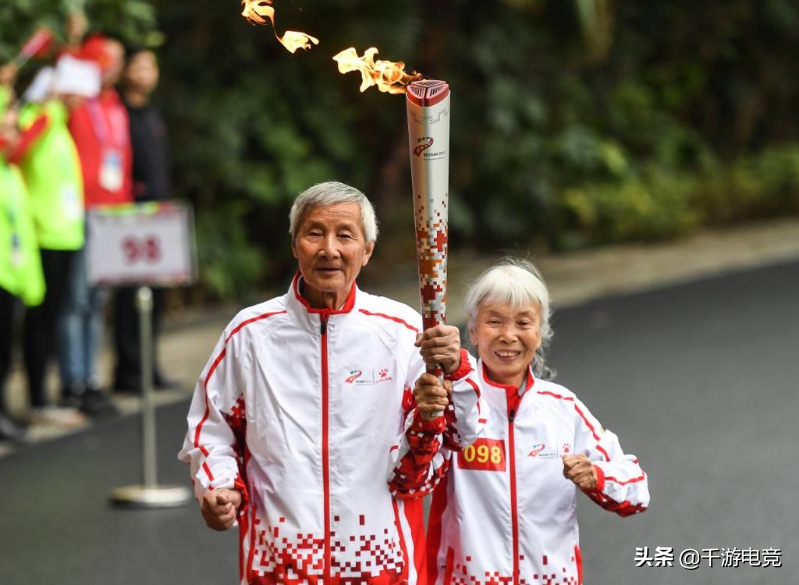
431	397
220	508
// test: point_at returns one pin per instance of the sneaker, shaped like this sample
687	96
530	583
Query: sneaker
97	404
11	430
127	384
70	395
57	416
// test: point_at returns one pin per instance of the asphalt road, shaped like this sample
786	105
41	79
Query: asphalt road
699	380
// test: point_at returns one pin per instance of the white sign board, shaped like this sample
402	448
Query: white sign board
77	77
143	244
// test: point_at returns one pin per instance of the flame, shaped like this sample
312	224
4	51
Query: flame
261	11
388	76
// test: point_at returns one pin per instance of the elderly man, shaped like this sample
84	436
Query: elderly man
303	403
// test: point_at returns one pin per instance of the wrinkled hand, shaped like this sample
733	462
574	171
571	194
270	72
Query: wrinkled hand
220	508
431	397
441	345
580	470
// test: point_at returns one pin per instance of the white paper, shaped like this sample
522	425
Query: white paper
41	86
77	77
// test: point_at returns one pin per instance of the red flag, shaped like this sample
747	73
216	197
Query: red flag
38	44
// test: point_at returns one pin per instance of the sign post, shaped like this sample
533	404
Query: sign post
149	244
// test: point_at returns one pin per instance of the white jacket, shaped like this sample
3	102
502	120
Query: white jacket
299	408
503	511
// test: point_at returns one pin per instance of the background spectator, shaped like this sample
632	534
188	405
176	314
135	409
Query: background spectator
20	265
51	168
150	183
100	130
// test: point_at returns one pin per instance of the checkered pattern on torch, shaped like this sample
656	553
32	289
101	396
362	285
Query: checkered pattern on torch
428	132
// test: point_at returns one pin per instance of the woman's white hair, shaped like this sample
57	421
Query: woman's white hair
332	193
515	282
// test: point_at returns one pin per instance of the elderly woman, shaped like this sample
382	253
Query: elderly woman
505	507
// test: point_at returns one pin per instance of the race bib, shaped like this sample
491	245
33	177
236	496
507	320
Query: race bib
111	171
483	455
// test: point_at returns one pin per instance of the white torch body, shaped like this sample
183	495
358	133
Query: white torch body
428	132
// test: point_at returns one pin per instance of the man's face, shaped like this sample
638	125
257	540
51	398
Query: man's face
331	249
141	72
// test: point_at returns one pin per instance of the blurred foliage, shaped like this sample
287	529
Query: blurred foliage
573	123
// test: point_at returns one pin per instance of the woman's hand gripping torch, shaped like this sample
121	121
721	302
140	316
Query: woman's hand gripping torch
428	131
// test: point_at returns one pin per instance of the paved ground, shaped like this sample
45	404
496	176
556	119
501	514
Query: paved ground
701	382
698	378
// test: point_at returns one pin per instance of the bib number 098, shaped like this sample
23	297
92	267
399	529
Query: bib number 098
484	454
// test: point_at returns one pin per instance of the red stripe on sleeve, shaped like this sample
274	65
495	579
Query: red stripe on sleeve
473	384
211	371
633	480
390	318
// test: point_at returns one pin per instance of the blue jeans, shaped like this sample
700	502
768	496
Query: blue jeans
81	330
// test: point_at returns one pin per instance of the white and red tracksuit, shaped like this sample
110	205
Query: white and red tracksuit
299	409
502	511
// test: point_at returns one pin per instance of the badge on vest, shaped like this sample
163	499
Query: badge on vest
111	176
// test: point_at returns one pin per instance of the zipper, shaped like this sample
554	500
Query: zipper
325	446
513	507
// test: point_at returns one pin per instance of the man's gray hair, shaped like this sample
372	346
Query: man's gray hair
515	282
331	193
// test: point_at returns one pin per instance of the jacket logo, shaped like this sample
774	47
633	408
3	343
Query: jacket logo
567	448
368	377
540	451
537	449
354	375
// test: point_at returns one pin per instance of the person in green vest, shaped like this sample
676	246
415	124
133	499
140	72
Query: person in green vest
49	162
21	275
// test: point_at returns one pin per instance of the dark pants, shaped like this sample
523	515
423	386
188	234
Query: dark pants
127	336
41	323
7	304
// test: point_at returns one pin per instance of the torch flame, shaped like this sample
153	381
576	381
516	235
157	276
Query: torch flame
388	76
261	11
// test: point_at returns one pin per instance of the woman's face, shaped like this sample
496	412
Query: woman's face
507	339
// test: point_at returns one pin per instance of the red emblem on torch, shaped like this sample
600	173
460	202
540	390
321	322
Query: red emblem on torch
424	146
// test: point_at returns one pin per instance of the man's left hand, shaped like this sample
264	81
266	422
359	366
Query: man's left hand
581	471
441	345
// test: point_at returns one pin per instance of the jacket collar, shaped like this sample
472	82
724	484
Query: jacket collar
509	388
299	304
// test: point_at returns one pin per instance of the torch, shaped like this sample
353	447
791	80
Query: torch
427	104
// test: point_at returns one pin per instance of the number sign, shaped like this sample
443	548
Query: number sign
143	244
